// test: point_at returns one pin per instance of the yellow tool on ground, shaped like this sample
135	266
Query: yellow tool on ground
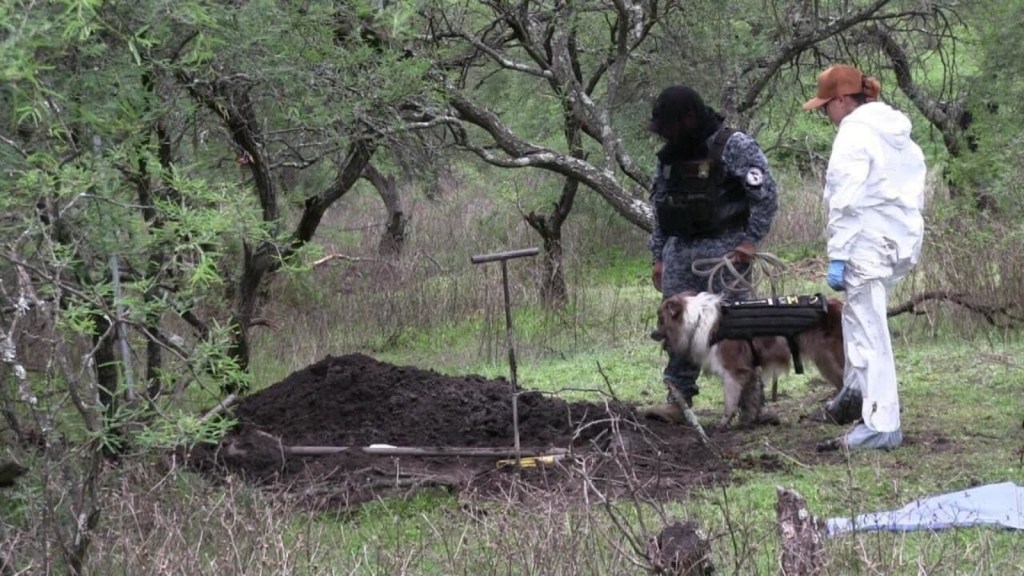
531	462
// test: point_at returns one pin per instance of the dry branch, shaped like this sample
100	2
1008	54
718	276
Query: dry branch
220	407
991	312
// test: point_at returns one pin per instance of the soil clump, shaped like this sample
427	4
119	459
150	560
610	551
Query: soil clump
355	401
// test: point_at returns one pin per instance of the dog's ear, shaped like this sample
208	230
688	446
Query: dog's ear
673	307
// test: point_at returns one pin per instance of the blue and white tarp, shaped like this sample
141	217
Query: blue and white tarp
1000	505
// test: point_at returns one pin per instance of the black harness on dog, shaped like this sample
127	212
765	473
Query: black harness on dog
785	316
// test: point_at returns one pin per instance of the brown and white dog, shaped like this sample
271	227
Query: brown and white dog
687	324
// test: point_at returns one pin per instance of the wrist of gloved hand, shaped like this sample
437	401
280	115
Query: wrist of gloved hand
836	272
744	253
657	270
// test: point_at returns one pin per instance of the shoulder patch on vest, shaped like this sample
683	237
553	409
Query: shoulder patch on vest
755	177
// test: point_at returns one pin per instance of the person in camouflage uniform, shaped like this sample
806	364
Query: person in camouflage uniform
713	196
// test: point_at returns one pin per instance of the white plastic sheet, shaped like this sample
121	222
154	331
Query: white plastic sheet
1000	505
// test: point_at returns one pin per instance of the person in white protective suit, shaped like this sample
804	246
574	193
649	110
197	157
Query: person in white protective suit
874	196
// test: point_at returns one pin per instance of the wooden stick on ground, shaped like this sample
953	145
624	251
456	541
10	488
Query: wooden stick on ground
388	450
691	418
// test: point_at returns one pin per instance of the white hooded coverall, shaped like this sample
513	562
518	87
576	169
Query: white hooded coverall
874	194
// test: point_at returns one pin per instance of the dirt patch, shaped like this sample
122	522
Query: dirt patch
355	401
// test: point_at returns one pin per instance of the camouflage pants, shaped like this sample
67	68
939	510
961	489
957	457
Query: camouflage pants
678	257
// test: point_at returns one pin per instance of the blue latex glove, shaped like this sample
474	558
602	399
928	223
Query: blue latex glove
835	275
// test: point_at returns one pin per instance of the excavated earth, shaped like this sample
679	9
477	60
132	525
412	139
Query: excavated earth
356	402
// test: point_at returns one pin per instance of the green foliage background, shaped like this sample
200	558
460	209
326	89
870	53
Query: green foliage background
112	164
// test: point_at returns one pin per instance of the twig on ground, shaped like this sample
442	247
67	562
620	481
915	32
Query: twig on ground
786	456
691	418
607	383
389	450
559	391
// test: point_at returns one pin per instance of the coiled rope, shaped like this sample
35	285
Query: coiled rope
763	265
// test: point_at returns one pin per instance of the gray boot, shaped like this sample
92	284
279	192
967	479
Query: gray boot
674	407
844	408
863	438
666	411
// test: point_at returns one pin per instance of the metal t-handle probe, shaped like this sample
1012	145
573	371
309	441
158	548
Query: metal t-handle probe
504	257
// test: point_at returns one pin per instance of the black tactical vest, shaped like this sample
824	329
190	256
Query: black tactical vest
700	199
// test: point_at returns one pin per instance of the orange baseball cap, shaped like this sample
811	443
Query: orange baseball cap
838	80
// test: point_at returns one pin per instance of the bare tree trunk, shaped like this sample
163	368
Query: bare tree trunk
393	239
154	363
107	383
553	290
158	255
86	511
239	117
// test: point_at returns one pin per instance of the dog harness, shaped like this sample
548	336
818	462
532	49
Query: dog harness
785	316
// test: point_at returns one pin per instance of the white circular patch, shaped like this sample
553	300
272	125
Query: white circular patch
755	177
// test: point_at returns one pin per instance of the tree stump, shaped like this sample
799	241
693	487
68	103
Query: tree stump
9	472
680	550
801	534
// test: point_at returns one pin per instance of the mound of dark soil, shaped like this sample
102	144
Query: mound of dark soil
355	404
